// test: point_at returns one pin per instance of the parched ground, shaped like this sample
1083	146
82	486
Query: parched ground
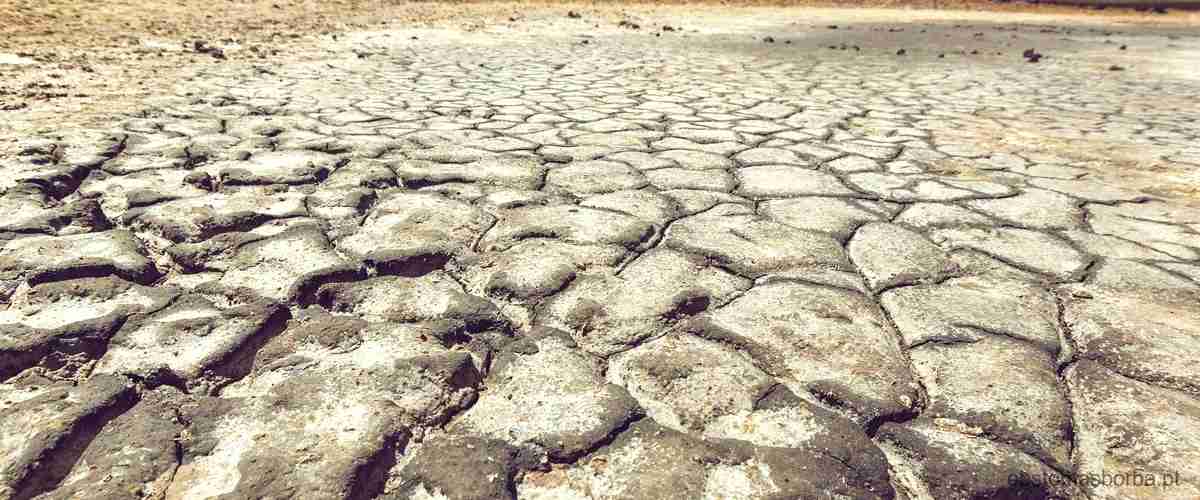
503	251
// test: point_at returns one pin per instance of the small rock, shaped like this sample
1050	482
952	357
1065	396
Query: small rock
202	47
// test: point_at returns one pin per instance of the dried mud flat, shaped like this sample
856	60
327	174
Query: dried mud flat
631	252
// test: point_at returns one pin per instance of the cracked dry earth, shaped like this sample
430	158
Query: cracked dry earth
540	265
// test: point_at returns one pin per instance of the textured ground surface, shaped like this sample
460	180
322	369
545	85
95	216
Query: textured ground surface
752	256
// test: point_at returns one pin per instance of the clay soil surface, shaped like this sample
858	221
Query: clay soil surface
79	62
